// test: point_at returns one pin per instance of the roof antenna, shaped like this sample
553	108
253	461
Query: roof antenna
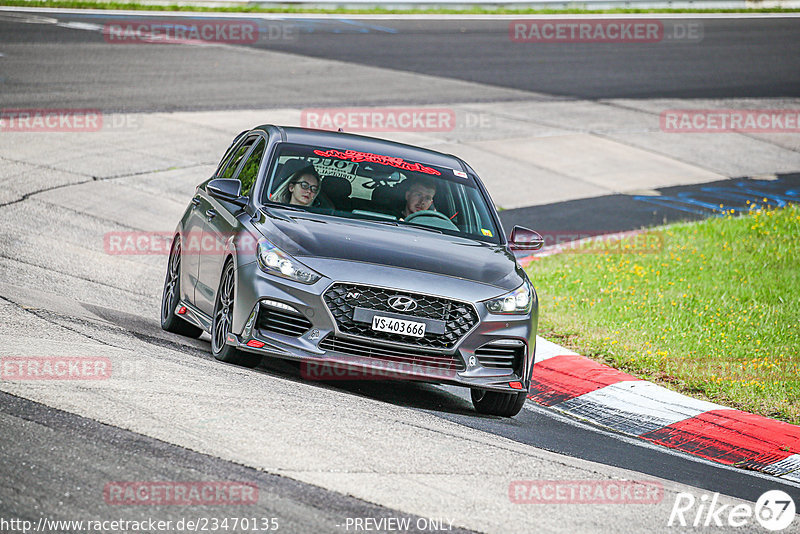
340	130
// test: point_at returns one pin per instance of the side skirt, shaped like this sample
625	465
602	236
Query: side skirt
194	316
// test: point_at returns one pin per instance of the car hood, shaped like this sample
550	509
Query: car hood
406	247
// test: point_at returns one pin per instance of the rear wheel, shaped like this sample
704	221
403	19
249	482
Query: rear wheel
222	321
497	403
171	296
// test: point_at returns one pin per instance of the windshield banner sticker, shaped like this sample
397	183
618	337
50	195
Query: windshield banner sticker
357	157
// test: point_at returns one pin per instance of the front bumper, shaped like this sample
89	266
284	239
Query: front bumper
281	318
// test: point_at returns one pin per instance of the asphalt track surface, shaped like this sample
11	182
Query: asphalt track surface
54	453
734	58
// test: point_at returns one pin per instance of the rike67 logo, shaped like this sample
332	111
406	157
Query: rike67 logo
774	510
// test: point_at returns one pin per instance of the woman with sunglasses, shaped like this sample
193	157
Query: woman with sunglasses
303	187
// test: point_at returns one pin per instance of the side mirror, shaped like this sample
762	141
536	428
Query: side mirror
228	190
525	239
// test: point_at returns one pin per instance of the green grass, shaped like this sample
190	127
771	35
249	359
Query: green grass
710	309
289	8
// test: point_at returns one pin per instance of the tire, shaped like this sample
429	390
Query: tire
497	403
221	323
171	296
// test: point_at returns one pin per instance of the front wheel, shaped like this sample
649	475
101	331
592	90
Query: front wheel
497	403
222	321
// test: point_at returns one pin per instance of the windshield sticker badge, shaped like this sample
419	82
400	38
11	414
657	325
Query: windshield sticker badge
487	233
330	167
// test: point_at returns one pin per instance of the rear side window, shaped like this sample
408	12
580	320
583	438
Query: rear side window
228	155
236	158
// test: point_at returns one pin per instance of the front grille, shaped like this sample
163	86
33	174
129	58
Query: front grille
500	356
387	353
459	317
282	322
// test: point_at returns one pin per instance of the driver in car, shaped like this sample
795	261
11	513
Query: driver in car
419	196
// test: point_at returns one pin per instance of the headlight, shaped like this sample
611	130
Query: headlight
275	261
518	301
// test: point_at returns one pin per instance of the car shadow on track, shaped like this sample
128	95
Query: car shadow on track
418	395
415	395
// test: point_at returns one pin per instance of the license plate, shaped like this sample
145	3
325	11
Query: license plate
398	326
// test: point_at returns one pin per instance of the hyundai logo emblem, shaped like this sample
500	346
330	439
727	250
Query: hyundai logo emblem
401	303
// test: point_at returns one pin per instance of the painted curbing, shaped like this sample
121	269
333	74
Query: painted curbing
573	384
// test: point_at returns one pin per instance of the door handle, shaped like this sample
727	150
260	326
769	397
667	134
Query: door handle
195	202
211	214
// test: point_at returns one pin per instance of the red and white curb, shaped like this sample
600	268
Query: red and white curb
565	381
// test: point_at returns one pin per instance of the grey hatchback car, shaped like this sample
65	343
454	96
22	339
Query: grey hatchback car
359	258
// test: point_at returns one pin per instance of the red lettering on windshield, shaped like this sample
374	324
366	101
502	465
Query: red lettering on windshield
400	163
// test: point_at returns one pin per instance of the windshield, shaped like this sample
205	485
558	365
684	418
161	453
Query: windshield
380	188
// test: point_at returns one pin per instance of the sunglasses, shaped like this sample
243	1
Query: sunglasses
306	186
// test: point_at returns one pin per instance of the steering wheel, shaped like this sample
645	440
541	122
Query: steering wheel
437	219
429	213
